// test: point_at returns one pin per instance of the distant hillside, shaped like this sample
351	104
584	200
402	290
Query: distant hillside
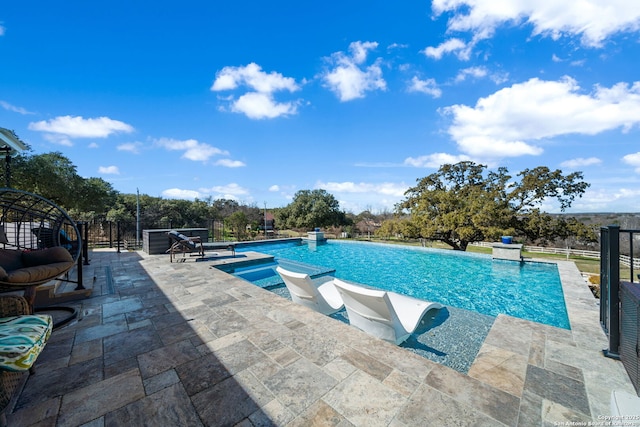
624	220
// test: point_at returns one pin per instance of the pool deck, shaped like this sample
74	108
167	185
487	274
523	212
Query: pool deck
167	344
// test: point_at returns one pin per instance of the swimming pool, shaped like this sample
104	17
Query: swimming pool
528	290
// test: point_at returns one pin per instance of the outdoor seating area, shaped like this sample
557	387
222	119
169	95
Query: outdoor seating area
181	244
162	343
39	244
30	222
385	315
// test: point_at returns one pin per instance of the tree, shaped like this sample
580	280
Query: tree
224	207
237	221
50	175
464	203
311	208
95	195
578	232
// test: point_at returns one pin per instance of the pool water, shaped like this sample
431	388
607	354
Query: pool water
528	290
266	276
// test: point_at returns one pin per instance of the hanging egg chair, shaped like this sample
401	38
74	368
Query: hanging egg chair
39	242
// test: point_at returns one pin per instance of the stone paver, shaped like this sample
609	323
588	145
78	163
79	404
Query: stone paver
186	344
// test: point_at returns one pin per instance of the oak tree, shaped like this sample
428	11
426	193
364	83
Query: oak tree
311	208
465	202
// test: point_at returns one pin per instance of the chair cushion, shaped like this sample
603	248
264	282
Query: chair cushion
184	239
46	256
38	273
22	339
10	259
33	266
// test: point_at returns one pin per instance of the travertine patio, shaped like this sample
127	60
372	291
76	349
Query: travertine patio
184	344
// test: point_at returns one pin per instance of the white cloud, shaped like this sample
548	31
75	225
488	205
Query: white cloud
232	188
629	194
58	139
274	188
505	123
2	30
228	163
93	145
591	20
435	160
13	108
359	50
109	170
231	191
633	160
608	200
428	86
397	46
259	102
580	162
475	72
252	76
177	193
256	105
385	188
193	150
67	127
132	147
480	73
452	45
348	78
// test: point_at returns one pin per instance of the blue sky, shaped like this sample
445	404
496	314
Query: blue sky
256	100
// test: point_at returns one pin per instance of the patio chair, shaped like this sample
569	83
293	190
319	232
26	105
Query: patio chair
24	270
22	339
39	243
387	315
319	294
194	244
48	238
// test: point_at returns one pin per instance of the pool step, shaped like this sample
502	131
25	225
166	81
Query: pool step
265	276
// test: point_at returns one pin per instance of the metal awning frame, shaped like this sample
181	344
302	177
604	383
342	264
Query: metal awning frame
9	139
9	144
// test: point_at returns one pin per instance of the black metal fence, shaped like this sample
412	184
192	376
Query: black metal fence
620	301
128	234
610	287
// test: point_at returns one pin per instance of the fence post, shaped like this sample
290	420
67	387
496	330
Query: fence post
118	235
631	255
604	278
85	241
610	266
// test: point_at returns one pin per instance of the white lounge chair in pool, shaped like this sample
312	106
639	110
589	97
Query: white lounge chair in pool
386	315
319	294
